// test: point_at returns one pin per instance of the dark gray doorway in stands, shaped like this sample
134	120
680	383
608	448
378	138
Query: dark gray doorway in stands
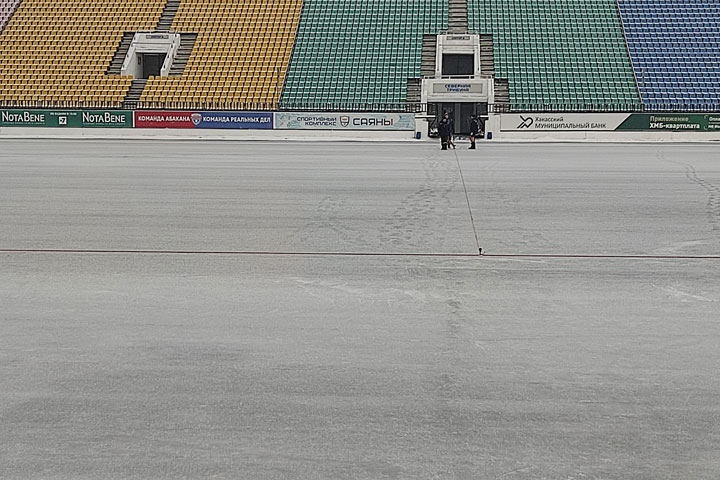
458	65
460	113
151	63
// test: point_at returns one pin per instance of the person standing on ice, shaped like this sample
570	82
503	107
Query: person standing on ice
474	130
444	132
451	124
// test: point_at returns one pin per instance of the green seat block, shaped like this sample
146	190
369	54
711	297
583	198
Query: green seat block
375	45
579	44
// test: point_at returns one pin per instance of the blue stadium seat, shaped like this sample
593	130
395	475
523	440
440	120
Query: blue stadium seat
675	49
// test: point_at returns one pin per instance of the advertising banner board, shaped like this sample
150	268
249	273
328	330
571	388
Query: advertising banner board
25	118
162	119
344	121
561	122
107	119
66	118
234	120
676	122
241	120
639	122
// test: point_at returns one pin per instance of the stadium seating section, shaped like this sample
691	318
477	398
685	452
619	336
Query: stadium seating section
561	53
240	57
59	51
351	53
675	49
359	54
7	7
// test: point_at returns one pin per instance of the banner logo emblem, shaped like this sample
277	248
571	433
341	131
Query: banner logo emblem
526	122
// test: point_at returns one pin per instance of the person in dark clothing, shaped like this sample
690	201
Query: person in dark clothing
474	130
444	132
451	124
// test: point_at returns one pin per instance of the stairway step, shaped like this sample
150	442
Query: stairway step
187	42
120	54
167	16
458	16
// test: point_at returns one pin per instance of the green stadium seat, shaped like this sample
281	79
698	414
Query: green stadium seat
356	52
567	52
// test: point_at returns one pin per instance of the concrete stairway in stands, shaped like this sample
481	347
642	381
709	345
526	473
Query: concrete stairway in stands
133	95
487	56
427	68
502	93
487	70
458	17
168	15
187	42
117	61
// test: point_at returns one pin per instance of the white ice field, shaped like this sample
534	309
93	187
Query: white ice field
306	310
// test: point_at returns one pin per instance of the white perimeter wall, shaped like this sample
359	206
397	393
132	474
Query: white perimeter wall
492	126
220	134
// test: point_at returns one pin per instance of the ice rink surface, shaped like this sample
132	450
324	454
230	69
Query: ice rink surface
319	311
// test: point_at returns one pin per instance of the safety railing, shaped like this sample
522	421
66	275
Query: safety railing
604	107
219	106
418	108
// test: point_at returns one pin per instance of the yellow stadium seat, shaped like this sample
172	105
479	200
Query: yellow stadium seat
44	48
242	49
